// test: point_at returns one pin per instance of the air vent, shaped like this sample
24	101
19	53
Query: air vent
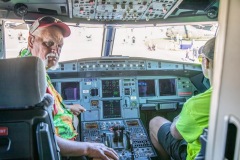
63	9
47	11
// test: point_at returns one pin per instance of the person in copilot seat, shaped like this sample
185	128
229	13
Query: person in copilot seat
180	139
46	37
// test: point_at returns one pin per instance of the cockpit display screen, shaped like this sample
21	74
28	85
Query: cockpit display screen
167	87
146	88
111	109
110	88
70	90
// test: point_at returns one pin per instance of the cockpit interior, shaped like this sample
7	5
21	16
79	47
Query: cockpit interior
125	62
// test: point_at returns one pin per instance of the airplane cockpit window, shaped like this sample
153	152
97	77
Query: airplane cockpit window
176	43
82	40
16	35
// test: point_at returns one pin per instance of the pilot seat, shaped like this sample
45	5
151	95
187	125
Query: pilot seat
26	125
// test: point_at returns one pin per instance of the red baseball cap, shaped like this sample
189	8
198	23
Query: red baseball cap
48	21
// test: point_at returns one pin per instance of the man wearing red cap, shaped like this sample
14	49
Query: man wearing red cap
45	41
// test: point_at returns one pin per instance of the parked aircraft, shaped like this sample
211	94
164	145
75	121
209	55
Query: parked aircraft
190	32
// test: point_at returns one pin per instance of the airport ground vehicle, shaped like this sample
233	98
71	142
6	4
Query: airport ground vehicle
90	81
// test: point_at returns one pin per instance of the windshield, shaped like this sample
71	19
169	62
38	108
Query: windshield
83	42
174	43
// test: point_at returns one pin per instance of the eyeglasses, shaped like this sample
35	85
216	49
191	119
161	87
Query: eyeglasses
201	57
43	21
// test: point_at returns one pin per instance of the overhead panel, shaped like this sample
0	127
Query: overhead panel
106	10
119	11
50	7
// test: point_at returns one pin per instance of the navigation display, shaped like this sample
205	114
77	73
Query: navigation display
111	109
146	88
110	88
70	90
167	87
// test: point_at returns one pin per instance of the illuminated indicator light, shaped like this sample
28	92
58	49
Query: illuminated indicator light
164	10
147	18
3	131
184	93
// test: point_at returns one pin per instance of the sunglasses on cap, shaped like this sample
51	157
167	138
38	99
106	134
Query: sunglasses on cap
42	22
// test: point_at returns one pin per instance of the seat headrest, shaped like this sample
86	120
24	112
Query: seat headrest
22	82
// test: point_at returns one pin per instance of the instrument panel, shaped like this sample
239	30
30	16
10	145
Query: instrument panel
127	137
124	97
115	96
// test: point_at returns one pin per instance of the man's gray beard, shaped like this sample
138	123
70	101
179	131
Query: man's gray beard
47	58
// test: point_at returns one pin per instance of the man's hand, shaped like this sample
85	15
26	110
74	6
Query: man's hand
94	150
76	109
100	151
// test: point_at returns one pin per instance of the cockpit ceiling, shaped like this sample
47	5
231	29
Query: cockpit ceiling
111	10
